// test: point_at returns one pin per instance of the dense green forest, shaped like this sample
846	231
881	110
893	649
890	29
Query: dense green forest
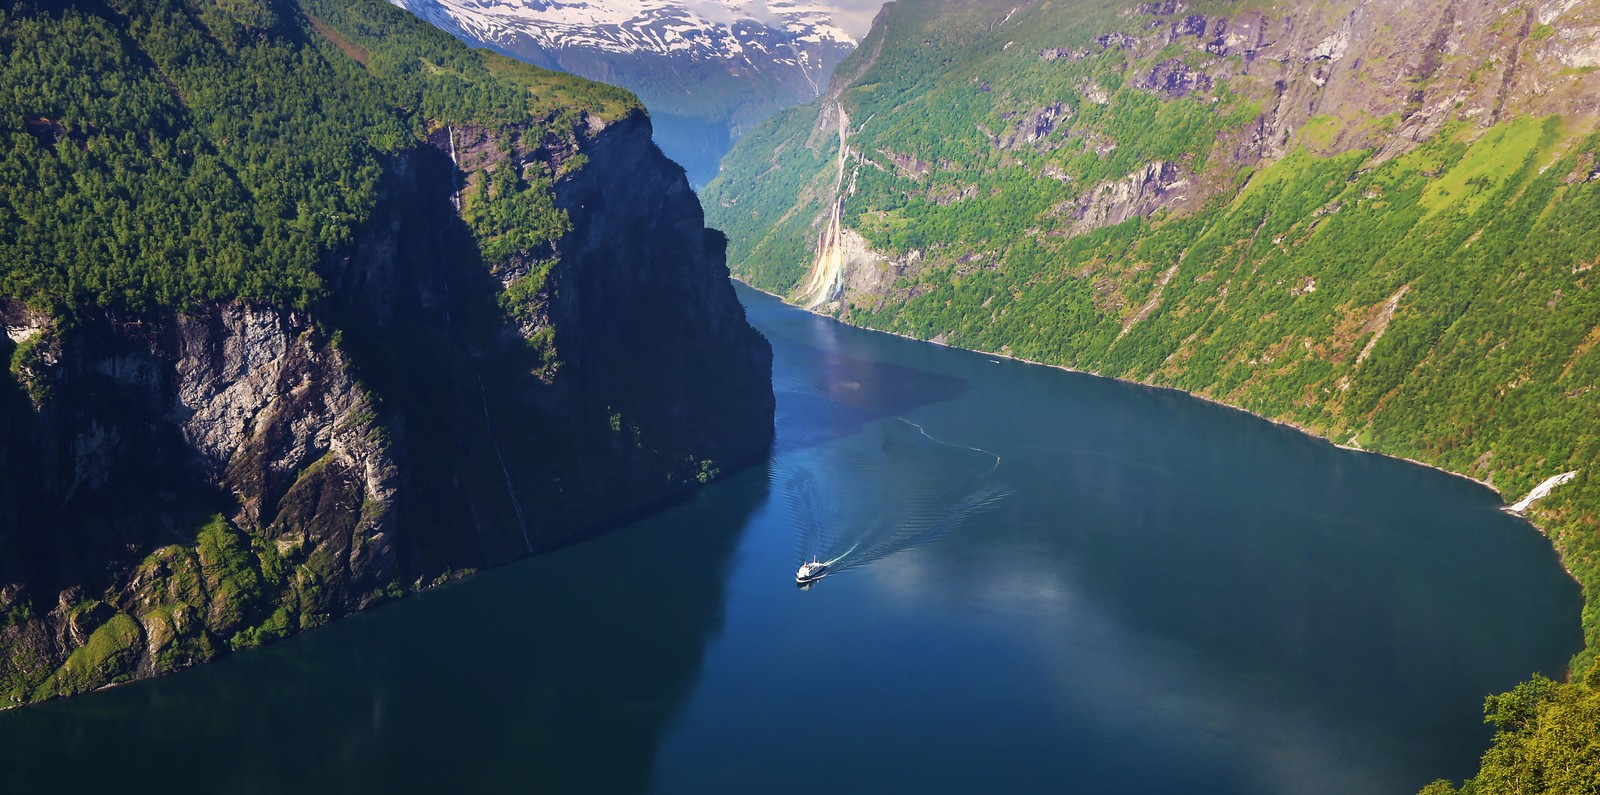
160	153
165	155
1433	300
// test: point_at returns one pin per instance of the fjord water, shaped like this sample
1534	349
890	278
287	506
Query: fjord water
1170	596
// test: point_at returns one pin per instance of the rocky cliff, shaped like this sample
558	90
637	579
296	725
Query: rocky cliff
528	336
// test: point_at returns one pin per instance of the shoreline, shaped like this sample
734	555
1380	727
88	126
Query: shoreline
1504	508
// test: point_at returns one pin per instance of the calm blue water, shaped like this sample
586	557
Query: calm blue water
1148	594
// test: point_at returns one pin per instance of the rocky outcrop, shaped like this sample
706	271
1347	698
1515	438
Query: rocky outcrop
245	414
1158	186
1034	128
174	487
1427	61
1175	79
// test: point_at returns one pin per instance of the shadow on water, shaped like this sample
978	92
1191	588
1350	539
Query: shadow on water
1176	597
902	488
899	489
827	383
557	674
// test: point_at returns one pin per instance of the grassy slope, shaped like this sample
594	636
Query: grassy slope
1484	239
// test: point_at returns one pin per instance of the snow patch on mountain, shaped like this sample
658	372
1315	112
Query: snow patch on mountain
708	70
697	29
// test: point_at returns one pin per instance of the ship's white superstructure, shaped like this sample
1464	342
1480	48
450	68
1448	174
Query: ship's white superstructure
811	572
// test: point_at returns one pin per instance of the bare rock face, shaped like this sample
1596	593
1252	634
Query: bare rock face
1576	46
139	429
1062	54
1191	25
230	368
865	271
1158	186
645	314
1423	62
1166	8
1336	45
175	487
1034	128
274	410
1175	79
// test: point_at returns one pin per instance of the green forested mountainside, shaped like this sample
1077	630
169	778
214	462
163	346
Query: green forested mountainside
308	306
1378	224
160	153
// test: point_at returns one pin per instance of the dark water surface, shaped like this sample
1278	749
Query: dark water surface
1157	595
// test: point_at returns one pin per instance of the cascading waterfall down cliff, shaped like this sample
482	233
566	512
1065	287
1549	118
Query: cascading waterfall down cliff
826	278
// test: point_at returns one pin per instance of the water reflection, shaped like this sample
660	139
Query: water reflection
826	390
556	674
1177	598
1180	597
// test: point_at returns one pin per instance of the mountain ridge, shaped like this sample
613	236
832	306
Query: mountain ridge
708	71
725	28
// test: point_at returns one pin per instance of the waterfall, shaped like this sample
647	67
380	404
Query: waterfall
511	487
455	185
827	272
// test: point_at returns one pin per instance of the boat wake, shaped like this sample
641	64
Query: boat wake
930	437
872	505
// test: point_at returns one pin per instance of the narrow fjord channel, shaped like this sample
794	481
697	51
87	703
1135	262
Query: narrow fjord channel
1074	585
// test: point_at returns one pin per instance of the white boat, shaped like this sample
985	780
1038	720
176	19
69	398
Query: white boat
811	572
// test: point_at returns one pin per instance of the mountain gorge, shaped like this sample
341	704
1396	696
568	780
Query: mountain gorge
707	71
269	368
1376	222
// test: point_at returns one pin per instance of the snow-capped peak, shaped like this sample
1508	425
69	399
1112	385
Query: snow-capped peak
707	29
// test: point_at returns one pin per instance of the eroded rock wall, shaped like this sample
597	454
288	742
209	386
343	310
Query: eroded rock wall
179	486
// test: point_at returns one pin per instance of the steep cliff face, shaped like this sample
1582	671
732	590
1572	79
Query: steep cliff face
1416	65
184	484
211	480
647	320
1376	221
528	338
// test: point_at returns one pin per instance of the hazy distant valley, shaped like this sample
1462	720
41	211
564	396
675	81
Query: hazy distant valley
708	71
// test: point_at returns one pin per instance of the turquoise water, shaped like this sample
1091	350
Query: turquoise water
1050	583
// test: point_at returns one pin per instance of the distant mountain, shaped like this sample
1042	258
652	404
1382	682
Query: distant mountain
707	69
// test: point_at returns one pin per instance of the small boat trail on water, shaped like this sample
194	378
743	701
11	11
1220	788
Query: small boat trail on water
909	489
